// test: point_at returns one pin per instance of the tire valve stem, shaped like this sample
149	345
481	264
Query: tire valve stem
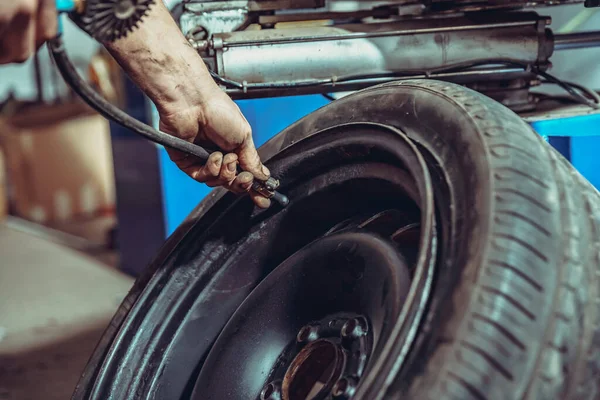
269	188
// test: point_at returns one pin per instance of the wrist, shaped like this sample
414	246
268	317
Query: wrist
159	59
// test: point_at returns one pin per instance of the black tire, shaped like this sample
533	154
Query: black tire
523	317
514	310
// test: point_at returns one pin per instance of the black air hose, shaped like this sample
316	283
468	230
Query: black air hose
97	102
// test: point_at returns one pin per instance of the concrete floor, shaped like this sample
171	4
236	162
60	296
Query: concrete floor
54	305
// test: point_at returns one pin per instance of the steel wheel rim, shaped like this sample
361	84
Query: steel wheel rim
402	337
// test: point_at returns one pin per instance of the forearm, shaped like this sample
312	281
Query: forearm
161	62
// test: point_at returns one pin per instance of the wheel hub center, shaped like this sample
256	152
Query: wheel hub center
331	357
307	331
314	371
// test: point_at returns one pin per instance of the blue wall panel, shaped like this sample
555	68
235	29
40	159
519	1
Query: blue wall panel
585	156
578	139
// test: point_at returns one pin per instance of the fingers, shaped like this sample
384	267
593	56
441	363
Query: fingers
250	160
228	168
209	173
26	42
219	170
242	183
260	201
47	22
18	42
18	38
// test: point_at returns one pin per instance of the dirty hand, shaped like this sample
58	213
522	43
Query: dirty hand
24	26
218	123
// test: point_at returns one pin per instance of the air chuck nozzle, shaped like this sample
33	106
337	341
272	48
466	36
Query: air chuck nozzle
268	189
281	199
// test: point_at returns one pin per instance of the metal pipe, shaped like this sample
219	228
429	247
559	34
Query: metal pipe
577	40
458	77
369	35
295	61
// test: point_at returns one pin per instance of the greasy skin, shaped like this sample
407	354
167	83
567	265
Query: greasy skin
191	106
162	63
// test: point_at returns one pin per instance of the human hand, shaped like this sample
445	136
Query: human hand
24	26
160	60
217	123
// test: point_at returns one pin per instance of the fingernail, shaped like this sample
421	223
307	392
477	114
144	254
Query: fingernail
231	167
266	171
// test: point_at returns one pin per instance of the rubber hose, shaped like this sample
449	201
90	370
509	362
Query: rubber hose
108	110
97	102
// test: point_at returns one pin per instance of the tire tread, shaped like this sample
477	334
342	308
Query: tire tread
538	222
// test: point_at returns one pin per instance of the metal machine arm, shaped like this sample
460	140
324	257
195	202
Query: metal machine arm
255	52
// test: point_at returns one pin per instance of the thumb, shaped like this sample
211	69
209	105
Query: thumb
250	160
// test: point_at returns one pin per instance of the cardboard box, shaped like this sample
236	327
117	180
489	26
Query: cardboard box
59	162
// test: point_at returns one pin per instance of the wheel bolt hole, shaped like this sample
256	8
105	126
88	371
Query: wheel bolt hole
307	334
268	391
271	392
344	389
354	328
340	387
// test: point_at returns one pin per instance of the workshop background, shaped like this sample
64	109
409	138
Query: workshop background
84	204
